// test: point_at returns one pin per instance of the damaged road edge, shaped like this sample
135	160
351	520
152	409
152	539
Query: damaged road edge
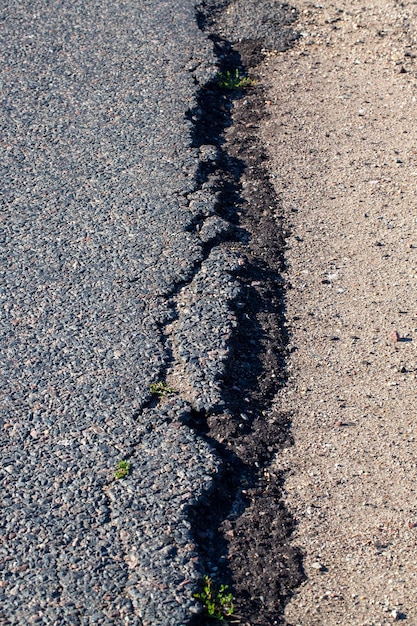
230	377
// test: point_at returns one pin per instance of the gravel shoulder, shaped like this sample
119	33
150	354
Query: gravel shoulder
341	139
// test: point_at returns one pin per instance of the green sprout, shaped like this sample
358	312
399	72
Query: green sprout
228	80
217	601
161	389
122	470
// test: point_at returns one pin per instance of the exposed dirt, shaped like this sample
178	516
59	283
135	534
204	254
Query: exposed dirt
265	566
243	528
342	145
336	115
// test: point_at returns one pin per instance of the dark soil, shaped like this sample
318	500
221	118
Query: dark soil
242	527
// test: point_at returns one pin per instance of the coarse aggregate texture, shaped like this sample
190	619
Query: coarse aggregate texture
82	547
97	169
268	23
202	333
98	230
341	140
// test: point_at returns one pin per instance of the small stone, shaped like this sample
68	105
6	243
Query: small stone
394	336
318	566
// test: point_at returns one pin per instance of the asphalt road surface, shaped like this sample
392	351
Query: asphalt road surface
98	233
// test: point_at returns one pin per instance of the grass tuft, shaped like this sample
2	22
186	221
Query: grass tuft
161	389
236	80
122	470
217	600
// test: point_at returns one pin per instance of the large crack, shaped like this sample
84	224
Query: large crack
230	377
223	332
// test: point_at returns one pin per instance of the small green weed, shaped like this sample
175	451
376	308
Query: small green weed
228	80
122	470
216	600
161	389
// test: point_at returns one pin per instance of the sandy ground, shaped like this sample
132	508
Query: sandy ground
342	139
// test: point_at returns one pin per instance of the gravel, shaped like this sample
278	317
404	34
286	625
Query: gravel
341	139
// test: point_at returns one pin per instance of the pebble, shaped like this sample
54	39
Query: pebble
318	566
394	336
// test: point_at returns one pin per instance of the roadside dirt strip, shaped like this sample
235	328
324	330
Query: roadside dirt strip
342	142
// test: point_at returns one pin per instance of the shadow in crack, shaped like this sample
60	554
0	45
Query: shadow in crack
241	526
